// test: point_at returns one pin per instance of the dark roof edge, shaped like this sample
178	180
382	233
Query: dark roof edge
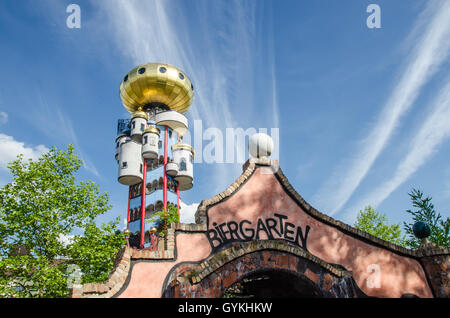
249	168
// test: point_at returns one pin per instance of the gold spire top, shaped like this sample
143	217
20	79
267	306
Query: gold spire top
181	145
156	83
140	114
152	129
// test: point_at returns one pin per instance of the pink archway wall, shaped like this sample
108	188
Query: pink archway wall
260	195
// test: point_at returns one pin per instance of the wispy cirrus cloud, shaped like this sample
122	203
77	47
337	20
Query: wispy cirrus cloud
430	50
434	131
3	118
53	122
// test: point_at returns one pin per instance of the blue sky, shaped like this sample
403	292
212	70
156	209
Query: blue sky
363	114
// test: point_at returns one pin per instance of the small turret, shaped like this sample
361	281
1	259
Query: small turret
150	139
138	125
183	155
120	139
131	163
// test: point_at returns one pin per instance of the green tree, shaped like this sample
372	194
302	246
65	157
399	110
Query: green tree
166	217
425	212
377	225
95	251
43	204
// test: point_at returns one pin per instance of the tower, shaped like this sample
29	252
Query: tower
153	161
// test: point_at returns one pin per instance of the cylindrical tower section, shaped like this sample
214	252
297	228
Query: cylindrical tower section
131	164
150	142
138	124
120	139
183	156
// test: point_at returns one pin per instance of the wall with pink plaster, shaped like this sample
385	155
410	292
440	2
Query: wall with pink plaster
147	278
262	196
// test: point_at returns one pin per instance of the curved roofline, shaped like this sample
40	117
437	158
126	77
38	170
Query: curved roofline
201	215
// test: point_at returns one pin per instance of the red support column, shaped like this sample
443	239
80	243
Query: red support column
165	166
128	211
165	173
143	204
178	201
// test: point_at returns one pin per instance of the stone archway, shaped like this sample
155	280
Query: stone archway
279	260
274	283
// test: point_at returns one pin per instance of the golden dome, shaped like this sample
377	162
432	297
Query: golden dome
181	145
152	129
156	83
139	114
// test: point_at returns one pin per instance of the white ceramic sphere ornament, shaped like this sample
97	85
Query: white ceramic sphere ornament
260	145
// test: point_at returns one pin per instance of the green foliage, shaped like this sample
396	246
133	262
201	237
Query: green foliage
165	218
95	250
42	204
377	225
426	213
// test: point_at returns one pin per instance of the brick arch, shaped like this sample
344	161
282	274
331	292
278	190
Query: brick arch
211	277
282	283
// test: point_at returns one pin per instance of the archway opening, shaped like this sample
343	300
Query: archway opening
273	284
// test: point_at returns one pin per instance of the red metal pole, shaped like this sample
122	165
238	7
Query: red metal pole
128	211
165	166
178	201
165	173
143	204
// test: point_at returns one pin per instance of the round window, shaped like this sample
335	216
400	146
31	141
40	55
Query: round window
181	76
142	70
162	69
125	78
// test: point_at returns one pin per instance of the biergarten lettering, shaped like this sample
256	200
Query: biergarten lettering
274	228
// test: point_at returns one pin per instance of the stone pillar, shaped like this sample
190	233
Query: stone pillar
436	266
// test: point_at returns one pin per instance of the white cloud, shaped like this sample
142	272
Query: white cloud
3	118
433	132
429	53
11	148
187	212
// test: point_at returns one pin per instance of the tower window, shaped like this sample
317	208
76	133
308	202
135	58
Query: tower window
133	125
145	140
140	169
142	127
124	165
183	165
